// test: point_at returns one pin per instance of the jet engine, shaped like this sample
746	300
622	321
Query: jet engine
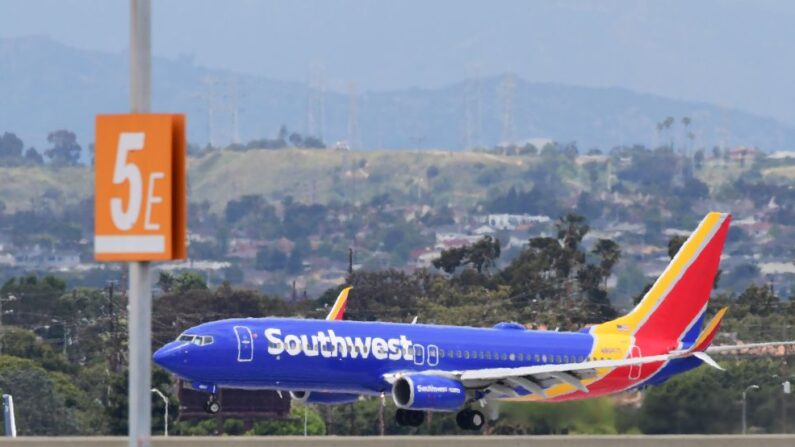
314	397
428	392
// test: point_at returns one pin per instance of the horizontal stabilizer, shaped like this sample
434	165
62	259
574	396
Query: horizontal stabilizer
704	357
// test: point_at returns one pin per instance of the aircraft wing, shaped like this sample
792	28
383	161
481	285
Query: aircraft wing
731	348
536	379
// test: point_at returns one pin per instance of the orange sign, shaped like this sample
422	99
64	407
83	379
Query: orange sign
140	208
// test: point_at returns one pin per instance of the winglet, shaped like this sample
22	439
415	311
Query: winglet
338	310
706	337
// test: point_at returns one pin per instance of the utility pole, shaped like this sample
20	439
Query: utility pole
140	317
1	326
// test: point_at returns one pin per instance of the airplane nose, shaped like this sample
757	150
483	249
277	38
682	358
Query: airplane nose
168	357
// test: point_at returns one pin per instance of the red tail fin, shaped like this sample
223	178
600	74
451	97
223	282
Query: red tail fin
679	296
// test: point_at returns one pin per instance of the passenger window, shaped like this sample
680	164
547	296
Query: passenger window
565	359
559	360
458	354
466	354
521	357
441	353
512	356
536	358
488	355
480	355
504	356
544	358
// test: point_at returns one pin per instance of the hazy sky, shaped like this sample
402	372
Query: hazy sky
729	52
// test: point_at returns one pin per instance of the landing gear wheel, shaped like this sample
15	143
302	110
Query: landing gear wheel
470	419
416	418
411	418
212	405
400	417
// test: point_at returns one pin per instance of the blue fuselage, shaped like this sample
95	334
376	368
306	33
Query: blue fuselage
352	357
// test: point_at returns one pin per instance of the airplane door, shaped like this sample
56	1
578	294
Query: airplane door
433	355
419	354
245	344
635	370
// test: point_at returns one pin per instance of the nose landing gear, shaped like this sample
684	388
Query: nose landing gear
212	405
469	419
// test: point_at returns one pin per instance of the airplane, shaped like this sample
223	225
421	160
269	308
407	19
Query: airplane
465	369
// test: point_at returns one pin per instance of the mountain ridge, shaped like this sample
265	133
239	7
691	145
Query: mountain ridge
48	85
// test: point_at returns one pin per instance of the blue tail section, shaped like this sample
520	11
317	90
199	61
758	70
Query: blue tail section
692	334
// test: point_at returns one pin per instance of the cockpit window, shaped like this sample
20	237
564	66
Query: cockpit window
198	340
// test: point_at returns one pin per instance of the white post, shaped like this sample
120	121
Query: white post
140	315
8	413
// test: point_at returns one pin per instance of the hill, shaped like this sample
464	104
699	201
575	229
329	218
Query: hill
46	86
461	178
458	178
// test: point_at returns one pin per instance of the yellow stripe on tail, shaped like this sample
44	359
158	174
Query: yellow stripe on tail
338	310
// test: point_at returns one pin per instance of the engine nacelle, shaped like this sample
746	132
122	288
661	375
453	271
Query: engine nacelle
428	392
313	397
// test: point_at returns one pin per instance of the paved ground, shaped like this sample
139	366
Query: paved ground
432	441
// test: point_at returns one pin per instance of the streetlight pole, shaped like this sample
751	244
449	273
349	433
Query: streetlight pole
140	315
165	416
9	298
745	406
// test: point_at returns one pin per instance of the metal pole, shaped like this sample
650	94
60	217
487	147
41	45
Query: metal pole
140	318
1	325
745	406
140	322
165	414
744	420
305	420
8	413
381	405
140	55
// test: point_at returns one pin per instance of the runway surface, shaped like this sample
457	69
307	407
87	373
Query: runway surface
433	441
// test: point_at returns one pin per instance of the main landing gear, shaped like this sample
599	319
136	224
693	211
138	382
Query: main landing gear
212	405
410	418
469	419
